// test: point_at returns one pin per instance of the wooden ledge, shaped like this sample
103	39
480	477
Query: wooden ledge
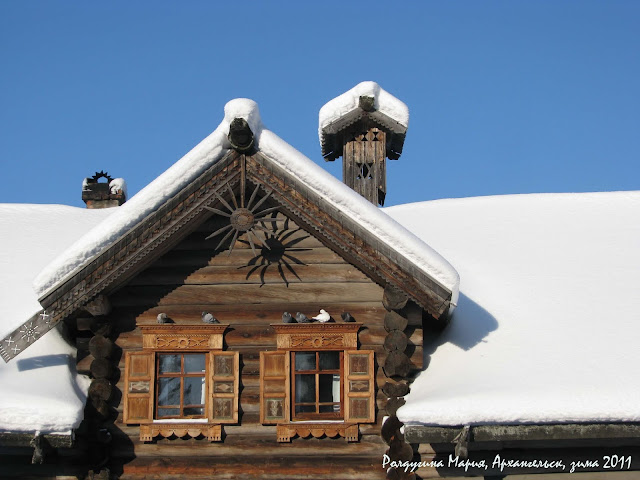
317	336
349	431
213	432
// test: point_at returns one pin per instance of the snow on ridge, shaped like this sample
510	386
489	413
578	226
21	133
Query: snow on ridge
384	102
150	198
210	150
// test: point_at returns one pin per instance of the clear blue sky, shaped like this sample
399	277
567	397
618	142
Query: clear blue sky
505	97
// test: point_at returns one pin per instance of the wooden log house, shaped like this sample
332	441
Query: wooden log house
191	307
196	323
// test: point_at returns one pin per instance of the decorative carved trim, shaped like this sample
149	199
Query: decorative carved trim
212	432
349	431
182	337
316	336
343	235
132	251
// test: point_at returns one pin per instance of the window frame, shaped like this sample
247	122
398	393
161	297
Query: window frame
317	372
277	381
181	375
141	381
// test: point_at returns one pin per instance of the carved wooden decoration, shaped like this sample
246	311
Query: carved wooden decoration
317	336
358	380
220	372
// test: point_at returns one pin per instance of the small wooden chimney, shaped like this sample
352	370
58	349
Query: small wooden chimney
110	193
365	136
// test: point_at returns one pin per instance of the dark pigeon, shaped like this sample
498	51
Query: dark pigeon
302	318
208	318
346	317
287	318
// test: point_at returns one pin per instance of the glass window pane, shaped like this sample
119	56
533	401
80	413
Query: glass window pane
169	391
194	411
305	409
329	387
305	388
194	391
329	360
169	363
168	412
305	361
194	363
330	408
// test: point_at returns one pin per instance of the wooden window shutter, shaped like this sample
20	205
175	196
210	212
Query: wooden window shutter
360	387
223	398
274	387
139	387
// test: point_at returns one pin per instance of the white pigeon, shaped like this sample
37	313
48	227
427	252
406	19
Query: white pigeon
323	317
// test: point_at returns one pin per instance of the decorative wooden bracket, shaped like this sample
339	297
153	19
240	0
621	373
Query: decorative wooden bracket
212	432
349	431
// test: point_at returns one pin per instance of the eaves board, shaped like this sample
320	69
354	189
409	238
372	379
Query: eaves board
347	238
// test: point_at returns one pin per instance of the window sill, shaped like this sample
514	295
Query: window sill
165	428
330	428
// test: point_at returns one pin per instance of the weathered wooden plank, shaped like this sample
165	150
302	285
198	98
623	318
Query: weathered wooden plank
494	433
363	312
292	240
255	274
274	466
256	294
241	257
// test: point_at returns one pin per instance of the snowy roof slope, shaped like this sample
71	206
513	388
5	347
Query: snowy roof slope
40	390
342	105
210	150
547	325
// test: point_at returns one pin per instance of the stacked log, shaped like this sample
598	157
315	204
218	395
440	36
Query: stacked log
397	367
95	357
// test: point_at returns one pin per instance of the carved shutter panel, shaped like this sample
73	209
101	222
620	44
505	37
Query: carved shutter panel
274	387
360	387
223	397
139	387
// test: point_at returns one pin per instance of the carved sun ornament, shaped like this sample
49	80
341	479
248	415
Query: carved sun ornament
244	217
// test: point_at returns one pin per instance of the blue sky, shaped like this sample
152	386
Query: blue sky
504	97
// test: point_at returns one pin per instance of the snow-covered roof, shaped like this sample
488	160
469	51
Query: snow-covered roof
207	153
338	115
547	324
346	103
40	390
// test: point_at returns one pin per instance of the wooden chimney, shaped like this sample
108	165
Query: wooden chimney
364	137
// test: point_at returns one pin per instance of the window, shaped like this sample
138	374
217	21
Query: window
317	382
181	382
317	385
180	386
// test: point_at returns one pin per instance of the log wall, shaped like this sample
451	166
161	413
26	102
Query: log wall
249	291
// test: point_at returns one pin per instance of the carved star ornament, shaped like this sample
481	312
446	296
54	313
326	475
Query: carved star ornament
244	217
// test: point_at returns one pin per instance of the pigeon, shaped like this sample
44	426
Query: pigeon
208	318
287	318
302	318
323	317
163	318
346	317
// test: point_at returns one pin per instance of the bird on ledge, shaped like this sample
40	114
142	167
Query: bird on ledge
208	318
323	317
302	318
